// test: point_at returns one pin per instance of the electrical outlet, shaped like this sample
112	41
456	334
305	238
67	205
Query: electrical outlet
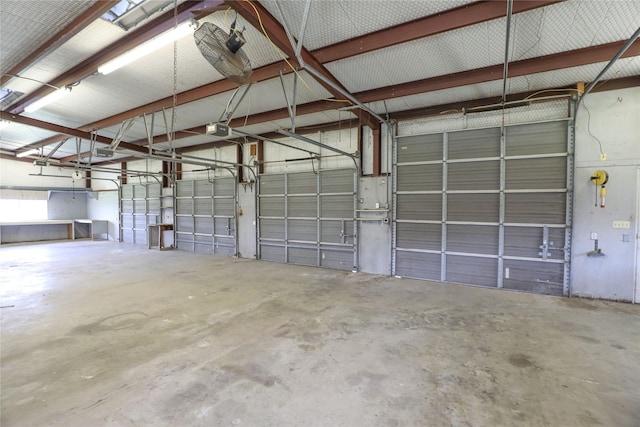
603	157
621	224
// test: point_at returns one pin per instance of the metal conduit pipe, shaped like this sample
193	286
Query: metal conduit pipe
505	72
316	74
617	56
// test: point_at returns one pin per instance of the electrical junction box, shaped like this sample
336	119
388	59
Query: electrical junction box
218	129
621	224
40	162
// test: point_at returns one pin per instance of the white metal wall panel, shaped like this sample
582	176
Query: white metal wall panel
308	218
488	206
205	216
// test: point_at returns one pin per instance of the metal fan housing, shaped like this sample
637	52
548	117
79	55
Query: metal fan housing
212	42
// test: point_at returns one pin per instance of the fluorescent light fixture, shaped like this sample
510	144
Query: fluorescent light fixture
53	96
27	153
152	45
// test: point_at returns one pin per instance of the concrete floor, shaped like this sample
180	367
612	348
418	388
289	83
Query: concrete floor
106	334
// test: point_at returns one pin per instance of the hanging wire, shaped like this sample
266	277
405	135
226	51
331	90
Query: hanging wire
589	129
284	58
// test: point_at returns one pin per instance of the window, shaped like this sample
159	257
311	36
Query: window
129	13
22	210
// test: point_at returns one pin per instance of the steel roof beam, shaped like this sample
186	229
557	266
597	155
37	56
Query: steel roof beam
165	22
65	130
74	27
568	59
474	13
260	17
434	24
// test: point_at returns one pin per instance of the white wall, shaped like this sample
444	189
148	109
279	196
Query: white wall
16	174
615	120
104	205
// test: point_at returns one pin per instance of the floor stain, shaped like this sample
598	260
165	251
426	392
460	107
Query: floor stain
520	361
131	320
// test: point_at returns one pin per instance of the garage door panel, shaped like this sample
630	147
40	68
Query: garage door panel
204	225
203	206
302	183
272	206
127	206
184	188
127	221
271	184
225	207
224	226
419	207
337	260
331	232
272	228
479	207
303	230
419	236
127	191
184	223
474	144
337	181
472	270
536	138
184	206
545	173
535	208
140	206
504	193
472	239
140	237
420	177
473	176
526	242
224	187
127	236
537	277
336	206
224	245
202	188
203	214
303	206
303	256
140	222
420	148
272	253
418	265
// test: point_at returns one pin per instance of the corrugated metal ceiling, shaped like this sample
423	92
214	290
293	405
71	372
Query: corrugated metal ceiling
539	32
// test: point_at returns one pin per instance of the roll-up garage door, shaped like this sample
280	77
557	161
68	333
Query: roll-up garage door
308	218
206	216
140	205
488	207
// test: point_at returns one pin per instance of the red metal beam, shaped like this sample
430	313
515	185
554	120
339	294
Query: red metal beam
165	22
65	130
448	20
445	21
74	27
260	18
573	58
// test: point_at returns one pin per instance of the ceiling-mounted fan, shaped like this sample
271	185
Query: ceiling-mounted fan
224	51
